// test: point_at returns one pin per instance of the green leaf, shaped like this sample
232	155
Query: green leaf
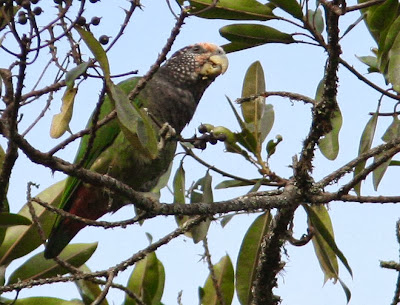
267	121
271	145
97	50
291	7
255	34
88	290
60	122
224	275
147	281
134	123
37	267
201	192
324	244
248	257
235	183
41	301
391	133
254	83
326	256
238	46
226	219
371	62
21	240
365	145
232	10
179	194
316	20
6	15
394	64
74	73
381	16
384	48
9	220
394	163
329	144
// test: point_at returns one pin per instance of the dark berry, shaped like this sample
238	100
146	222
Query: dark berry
200	144
95	20
18	2
22	19
221	137
202	128
104	39
37	10
93	1
212	140
25	4
81	21
57	1
34	1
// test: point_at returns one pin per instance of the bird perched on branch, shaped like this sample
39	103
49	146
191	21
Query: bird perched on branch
171	96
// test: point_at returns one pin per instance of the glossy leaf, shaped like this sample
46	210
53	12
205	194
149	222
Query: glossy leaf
37	267
88	290
391	133
41	301
316	20
147	281
255	34
134	123
248	257
365	145
291	7
9	220
21	240
74	73
60	122
224	275
97	50
232	10
253	84
201	192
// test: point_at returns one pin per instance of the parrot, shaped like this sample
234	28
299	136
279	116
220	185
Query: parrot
171	97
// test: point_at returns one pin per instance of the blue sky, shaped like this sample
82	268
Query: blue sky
365	233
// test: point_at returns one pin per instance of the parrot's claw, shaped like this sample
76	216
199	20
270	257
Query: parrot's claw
167	132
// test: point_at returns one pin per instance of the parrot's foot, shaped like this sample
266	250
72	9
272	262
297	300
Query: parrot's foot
167	132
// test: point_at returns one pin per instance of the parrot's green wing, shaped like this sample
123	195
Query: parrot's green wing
105	136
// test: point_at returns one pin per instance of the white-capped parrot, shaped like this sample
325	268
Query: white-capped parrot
171	96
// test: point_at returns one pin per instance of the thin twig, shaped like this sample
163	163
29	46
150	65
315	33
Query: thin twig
213	276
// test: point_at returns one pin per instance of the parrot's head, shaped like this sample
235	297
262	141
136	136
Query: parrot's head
198	63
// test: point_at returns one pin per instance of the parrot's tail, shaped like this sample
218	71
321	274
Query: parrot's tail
87	203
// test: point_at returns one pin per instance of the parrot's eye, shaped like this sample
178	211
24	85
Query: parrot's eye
196	48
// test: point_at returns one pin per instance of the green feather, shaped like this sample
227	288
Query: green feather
105	136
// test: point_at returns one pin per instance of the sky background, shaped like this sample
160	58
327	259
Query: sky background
364	232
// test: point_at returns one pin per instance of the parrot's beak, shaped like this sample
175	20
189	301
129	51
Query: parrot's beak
216	65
